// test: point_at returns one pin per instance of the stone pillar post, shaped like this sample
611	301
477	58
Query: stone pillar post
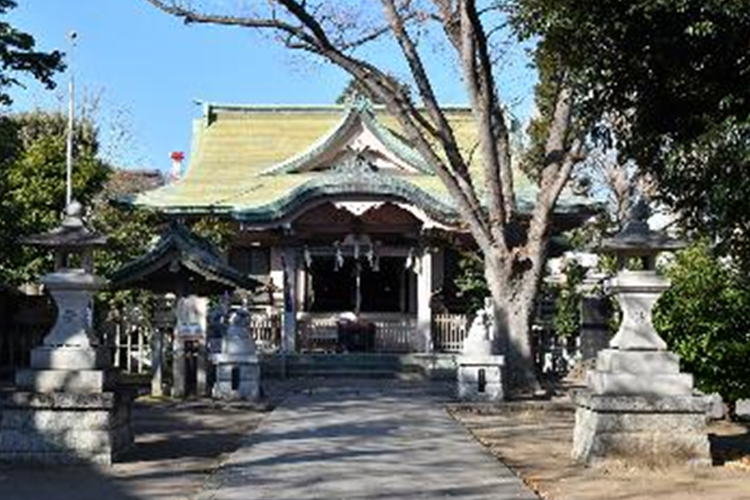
423	342
595	316
178	368
191	326
201	365
157	361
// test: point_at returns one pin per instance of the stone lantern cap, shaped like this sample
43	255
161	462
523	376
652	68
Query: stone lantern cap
637	239
71	234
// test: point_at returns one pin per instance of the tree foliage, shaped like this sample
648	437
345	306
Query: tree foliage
704	318
707	181
129	232
567	318
32	184
673	79
470	281
18	56
354	90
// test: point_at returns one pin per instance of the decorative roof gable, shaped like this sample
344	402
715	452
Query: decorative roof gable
353	176
359	133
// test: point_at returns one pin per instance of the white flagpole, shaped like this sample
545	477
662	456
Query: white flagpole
71	112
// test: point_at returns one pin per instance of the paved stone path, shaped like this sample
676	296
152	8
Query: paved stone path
378	441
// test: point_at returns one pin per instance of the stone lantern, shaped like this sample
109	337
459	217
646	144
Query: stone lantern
71	345
637	403
236	366
66	407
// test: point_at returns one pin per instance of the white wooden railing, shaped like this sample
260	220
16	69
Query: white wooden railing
449	332
394	334
127	333
266	330
320	332
317	333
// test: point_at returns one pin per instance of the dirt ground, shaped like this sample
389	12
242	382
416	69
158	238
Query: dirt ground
534	439
178	444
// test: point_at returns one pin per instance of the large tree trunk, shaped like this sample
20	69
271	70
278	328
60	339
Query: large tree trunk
514	295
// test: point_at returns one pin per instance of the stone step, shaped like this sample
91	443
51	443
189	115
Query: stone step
349	373
346	359
362	365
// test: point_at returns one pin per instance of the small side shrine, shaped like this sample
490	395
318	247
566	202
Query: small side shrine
637	404
190	268
66	407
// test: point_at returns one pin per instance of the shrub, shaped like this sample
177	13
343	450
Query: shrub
705	318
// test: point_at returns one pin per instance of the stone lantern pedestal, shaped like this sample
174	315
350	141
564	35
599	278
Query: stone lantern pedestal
66	407
237	367
637	405
480	373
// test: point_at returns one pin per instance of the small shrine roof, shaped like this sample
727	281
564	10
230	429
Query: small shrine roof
182	262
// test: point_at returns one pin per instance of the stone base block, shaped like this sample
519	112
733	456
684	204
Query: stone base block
69	358
236	381
480	382
223	358
74	381
658	384
648	430
60	428
658	362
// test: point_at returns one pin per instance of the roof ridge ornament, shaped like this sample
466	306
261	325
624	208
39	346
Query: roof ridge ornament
360	103
356	165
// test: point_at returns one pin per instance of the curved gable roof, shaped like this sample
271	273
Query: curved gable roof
355	178
248	162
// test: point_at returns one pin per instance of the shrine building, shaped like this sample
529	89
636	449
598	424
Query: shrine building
337	215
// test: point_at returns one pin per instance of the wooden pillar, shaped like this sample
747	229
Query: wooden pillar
201	387
289	318
423	342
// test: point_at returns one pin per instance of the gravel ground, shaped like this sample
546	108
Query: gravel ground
535	440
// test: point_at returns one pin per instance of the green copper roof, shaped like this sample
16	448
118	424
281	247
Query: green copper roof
249	162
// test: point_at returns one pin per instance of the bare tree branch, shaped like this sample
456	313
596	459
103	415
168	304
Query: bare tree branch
190	16
448	141
481	97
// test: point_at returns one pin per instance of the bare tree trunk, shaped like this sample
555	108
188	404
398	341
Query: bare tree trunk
514	299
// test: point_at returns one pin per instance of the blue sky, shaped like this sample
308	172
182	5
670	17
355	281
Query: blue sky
147	69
